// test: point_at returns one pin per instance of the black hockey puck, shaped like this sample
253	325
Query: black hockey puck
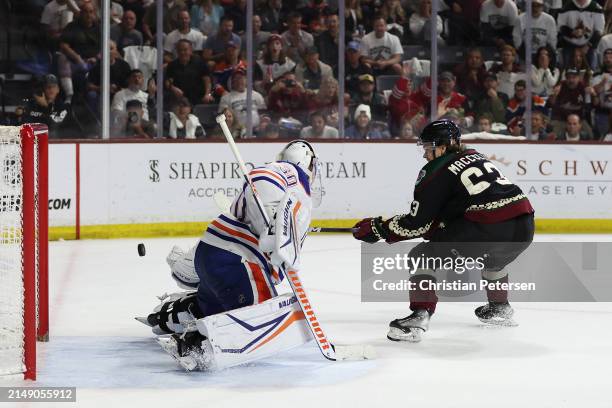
141	249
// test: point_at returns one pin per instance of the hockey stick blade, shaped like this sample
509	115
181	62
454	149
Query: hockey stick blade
354	352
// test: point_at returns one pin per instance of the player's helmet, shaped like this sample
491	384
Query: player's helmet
440	133
300	153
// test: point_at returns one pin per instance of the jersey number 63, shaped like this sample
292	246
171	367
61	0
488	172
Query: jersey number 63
470	176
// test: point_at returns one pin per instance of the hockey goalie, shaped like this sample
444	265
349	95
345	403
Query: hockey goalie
231	313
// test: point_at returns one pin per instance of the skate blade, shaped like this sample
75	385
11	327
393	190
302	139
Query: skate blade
414	336
143	320
500	322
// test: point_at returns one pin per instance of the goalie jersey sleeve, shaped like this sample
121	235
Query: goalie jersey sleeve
463	184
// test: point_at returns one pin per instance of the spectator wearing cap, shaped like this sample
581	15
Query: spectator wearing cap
296	40
288	98
544	73
573	131
318	129
543	29
172	8
126	34
311	71
420	22
602	99
273	65
182	124
46	107
470	76
272	16
382	50
119	74
568	98
188	76
451	104
581	25
230	63
131	122
327	41
363	128
354	68
497	21
516	107
214	47
578	62
508	71
367	95
206	16
183	32
492	102
132	92
260	38
236	99
405	105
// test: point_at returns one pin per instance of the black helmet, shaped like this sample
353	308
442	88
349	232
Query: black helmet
440	133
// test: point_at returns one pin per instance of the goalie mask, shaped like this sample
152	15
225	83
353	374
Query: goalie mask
302	154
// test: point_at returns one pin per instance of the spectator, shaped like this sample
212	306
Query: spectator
419	23
236	128
125	34
516	105
236	99
508	71
354	68
288	99
327	41
188	76
470	78
354	20
405	106
581	25
260	39
271	132
394	16
579	63
237	11
132	92
497	21
485	123
138	7
492	102
273	65
407	131
172	8
451	104
47	107
318	129
602	101
568	98
119	74
368	96
132	123
229	64
382	50
214	48
312	71
539	127
544	74
206	16
314	15
296	40
604	44
463	21
272	16
79	46
326	101
543	29
183	32
183	124
363	128
56	15
573	131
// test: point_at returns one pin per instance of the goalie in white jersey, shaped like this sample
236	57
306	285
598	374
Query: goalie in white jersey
238	260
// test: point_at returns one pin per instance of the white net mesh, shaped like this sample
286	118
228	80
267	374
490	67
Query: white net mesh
11	259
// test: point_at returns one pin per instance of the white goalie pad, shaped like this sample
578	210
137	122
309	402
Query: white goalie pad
254	332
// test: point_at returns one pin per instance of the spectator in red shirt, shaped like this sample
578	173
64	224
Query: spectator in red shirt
405	105
451	104
288	98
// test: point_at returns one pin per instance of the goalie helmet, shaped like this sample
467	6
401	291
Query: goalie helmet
440	133
302	154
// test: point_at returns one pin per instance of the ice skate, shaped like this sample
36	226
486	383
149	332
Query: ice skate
496	313
409	328
192	350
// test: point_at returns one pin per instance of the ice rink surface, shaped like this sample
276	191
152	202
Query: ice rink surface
559	356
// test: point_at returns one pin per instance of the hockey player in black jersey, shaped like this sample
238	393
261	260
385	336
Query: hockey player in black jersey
460	197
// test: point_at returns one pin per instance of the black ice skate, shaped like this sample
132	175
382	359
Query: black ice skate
409	328
496	313
191	350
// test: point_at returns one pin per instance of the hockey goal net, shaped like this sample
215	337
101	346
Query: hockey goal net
23	247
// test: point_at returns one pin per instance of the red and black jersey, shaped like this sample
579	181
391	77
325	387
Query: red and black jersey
458	184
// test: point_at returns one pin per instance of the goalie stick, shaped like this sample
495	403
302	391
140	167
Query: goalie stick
224	204
330	351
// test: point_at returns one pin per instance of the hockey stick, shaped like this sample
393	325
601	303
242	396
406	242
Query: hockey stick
329	351
224	204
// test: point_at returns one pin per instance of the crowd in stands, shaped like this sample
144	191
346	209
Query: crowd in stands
482	81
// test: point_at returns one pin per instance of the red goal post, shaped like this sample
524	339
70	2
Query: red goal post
24	291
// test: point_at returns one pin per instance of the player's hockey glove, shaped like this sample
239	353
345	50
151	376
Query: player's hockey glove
369	230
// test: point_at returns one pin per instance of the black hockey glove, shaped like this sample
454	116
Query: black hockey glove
369	230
